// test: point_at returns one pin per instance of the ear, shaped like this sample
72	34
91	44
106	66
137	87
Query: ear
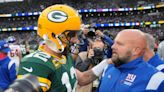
136	51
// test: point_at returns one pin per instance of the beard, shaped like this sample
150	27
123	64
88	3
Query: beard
117	60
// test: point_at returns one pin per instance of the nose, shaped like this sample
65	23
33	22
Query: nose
75	40
113	46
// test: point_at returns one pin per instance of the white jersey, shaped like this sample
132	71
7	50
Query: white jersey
15	54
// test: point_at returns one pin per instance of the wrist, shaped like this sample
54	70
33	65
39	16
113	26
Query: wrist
98	69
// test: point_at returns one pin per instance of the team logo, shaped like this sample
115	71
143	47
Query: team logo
28	69
57	16
130	79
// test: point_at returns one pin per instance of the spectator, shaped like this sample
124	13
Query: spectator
107	40
161	49
150	55
92	57
7	67
15	53
130	73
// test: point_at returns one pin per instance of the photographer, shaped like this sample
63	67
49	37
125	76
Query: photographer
92	57
91	32
88	59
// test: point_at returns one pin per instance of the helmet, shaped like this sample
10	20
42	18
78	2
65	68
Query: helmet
55	22
11	39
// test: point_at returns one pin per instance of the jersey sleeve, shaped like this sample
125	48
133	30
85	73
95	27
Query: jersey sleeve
156	83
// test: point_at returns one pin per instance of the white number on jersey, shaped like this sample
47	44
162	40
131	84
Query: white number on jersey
41	55
66	82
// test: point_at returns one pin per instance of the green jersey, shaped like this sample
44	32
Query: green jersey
53	74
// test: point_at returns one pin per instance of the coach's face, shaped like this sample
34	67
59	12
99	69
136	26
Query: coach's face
128	45
122	50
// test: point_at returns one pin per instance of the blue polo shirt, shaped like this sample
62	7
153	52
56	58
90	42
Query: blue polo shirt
157	62
135	76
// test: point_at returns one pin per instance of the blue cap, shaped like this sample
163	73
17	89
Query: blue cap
4	46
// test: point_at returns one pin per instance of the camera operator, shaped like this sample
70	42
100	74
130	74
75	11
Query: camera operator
92	57
91	32
88	59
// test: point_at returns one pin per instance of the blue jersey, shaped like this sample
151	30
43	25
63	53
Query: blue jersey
7	72
157	62
135	76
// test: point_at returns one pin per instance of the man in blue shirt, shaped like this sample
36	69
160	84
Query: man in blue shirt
7	67
130	73
150	55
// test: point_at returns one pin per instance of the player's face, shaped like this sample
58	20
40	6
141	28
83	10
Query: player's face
74	39
69	37
122	52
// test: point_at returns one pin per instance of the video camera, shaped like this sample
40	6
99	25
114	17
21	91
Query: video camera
92	29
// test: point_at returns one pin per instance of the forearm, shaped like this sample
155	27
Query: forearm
86	77
89	76
108	40
83	66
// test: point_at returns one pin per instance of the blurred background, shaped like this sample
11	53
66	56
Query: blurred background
18	18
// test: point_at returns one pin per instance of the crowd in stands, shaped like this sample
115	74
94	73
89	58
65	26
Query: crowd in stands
97	44
30	37
88	18
26	6
94	4
37	5
14	22
118	17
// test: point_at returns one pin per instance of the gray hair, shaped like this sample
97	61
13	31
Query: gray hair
150	41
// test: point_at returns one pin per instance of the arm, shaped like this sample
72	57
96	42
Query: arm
86	77
84	60
89	76
19	54
156	83
12	70
108	40
82	65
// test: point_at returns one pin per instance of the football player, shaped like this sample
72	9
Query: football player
58	26
15	53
